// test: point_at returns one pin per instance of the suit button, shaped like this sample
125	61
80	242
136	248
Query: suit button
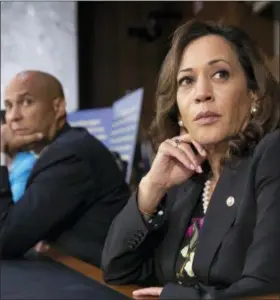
132	244
140	232
137	237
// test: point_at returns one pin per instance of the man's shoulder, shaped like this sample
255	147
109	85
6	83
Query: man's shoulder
76	141
75	135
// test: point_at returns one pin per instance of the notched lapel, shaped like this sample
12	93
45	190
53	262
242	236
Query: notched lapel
220	216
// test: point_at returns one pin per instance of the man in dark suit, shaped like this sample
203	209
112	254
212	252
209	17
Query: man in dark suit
75	188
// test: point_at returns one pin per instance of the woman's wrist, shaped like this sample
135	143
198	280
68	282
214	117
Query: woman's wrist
149	196
146	214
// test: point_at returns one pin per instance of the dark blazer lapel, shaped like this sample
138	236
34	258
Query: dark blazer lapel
185	198
220	216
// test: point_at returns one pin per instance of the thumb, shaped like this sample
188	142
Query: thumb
151	291
29	138
42	247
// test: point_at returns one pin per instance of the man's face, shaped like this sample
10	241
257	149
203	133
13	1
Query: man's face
28	109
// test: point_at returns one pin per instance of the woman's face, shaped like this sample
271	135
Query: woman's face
212	95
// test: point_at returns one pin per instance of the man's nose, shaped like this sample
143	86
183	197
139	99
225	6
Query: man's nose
14	114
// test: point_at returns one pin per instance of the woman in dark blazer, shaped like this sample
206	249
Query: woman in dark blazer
205	220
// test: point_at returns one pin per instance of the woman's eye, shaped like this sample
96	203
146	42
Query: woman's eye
185	81
223	74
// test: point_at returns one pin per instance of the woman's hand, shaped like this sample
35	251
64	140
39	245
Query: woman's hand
174	163
42	247
147	292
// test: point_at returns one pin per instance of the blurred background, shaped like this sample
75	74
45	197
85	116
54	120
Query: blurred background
102	51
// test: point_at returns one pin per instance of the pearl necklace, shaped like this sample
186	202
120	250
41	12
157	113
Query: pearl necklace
206	195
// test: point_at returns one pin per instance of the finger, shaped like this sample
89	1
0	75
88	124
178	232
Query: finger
32	137
193	158
191	155
28	138
42	247
199	148
184	137
188	139
168	148
38	246
151	291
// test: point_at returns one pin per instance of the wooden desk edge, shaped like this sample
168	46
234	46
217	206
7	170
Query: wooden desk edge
89	271
95	273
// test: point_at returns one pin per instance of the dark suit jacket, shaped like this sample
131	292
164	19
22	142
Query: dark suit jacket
73	193
238	251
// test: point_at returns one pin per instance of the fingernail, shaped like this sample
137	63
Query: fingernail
40	135
199	169
192	167
203	153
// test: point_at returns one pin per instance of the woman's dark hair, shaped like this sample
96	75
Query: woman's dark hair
260	82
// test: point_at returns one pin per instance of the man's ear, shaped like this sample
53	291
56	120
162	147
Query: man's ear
59	107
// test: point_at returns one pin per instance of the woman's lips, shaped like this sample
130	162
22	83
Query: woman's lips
206	118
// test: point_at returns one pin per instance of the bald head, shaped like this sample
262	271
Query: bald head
34	102
43	84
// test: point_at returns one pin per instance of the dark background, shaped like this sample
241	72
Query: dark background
117	54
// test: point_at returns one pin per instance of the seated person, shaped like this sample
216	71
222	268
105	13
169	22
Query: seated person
19	170
204	222
75	188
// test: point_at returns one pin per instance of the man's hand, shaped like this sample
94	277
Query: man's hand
12	143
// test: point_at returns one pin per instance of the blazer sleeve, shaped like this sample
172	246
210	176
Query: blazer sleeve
128	254
6	197
59	186
261	273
